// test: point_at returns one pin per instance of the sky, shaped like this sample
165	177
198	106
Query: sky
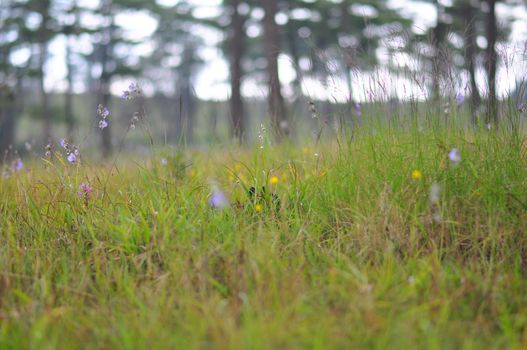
212	80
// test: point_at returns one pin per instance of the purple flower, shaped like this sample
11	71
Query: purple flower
132	92
72	158
460	99
358	110
63	143
218	200
455	156
18	165
84	192
103	112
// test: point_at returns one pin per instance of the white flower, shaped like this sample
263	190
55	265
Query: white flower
435	192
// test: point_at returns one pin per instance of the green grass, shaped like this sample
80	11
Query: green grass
356	256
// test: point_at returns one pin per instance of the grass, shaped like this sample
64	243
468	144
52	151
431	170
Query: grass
355	255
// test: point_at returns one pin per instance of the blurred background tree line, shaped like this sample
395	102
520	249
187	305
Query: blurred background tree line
59	59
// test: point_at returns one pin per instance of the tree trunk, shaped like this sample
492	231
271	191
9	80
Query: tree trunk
105	78
177	130
68	97
438	38
70	31
188	108
108	67
272	50
7	120
237	51
470	58
186	112
492	59
44	98
292	38
43	38
348	55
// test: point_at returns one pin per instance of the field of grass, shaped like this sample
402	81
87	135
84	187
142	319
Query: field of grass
377	241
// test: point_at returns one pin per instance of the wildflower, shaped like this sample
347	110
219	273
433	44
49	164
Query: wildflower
522	108
132	92
103	124
460	99
103	113
313	109
48	150
446	110
416	175
455	156
261	135
84	190
258	208
435	192
63	143
72	158
274	180
284	125
134	120
218	199
358	110
18	165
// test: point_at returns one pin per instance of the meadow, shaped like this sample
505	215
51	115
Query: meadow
385	238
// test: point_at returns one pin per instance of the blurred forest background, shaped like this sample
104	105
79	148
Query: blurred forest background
212	71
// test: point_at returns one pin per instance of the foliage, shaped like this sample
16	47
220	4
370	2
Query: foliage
357	254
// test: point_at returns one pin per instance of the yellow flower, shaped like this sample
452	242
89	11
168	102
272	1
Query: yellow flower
416	175
258	208
274	180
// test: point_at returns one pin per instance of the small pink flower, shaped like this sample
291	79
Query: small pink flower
85	191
